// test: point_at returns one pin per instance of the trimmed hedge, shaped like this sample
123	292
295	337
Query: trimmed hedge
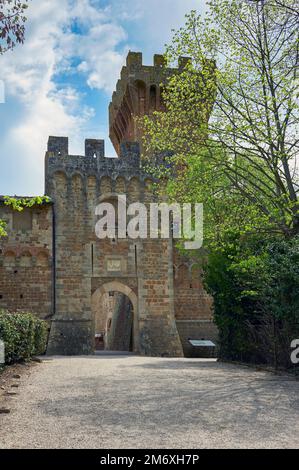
24	336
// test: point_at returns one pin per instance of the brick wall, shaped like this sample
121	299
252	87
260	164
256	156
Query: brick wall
26	261
193	305
166	290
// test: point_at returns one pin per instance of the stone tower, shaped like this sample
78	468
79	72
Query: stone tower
87	267
52	263
139	92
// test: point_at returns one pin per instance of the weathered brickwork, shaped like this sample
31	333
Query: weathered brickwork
65	273
193	306
26	260
84	263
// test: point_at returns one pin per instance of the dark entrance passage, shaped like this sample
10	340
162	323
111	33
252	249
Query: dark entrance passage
120	327
114	323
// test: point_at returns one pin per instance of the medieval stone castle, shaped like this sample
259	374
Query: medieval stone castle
121	294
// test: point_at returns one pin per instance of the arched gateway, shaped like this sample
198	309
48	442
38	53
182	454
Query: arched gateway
61	269
143	269
112	289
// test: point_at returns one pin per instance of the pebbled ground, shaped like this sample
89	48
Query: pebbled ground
137	402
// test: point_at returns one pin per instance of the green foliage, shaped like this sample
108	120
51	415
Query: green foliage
40	337
19	204
233	129
255	286
280	291
23	334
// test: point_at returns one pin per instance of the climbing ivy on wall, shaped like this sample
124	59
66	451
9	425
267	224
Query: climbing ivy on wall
19	204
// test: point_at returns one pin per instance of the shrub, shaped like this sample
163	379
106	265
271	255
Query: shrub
40	337
23	334
255	285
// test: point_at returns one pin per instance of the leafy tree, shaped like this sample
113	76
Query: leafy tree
12	20
254	283
233	116
232	128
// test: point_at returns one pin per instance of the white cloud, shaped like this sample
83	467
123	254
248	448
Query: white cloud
43	108
97	50
70	37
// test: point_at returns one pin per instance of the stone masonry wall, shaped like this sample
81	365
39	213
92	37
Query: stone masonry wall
26	261
84	263
53	264
193	305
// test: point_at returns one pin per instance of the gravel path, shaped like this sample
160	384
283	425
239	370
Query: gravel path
136	402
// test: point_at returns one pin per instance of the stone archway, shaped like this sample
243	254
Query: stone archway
116	286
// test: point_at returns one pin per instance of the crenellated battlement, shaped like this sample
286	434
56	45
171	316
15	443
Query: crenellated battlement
135	59
59	146
95	147
58	154
93	163
139	91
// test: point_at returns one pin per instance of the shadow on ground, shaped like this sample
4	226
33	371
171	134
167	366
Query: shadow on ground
166	395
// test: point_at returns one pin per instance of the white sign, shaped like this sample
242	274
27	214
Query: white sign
2	352
201	343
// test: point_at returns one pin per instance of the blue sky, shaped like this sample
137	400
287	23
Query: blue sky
61	80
